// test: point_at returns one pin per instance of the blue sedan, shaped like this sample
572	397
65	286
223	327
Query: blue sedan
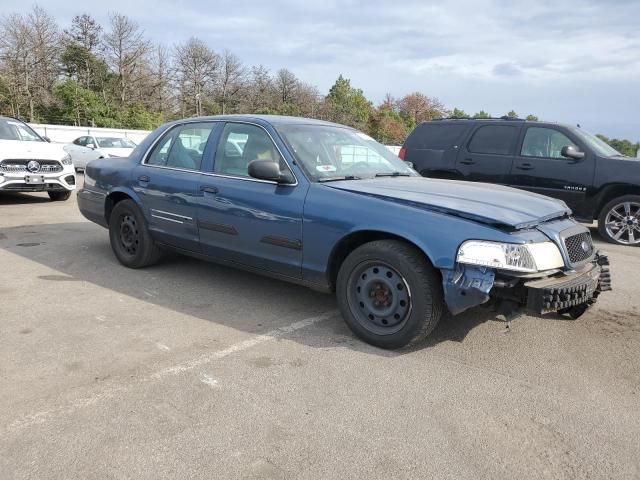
326	206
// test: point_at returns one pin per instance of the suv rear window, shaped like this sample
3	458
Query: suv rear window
494	139
437	136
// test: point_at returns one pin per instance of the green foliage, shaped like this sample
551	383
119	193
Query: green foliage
481	114
458	113
532	118
386	126
348	105
625	147
512	114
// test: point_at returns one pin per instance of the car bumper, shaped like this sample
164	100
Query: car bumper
19	182
91	205
558	293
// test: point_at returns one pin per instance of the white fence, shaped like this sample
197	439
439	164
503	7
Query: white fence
66	134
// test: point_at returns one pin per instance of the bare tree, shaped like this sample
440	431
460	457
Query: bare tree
162	79
83	39
196	68
126	49
258	93
231	78
14	53
286	83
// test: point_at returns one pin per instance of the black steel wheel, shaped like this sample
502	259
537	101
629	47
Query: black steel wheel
389	294
130	240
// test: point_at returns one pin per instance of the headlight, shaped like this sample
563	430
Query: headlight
66	160
529	258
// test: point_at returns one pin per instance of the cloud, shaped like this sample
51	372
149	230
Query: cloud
475	54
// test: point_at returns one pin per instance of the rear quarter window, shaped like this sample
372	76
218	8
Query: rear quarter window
435	136
494	139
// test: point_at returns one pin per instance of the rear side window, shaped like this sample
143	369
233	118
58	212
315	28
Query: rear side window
436	136
182	148
494	139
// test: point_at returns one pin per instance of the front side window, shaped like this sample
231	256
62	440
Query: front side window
544	142
79	141
16	130
327	152
494	139
183	147
239	145
114	142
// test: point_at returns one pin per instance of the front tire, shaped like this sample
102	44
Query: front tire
130	239
619	221
59	196
389	294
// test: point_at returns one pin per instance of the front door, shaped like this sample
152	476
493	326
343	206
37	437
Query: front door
168	184
540	168
248	221
488	154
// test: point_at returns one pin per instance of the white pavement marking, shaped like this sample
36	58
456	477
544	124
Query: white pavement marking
162	346
42	417
209	380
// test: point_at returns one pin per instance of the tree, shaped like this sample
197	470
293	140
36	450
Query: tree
126	49
481	114
82	40
196	69
348	105
162	98
285	83
386	125
512	115
531	118
624	146
417	107
458	113
231	81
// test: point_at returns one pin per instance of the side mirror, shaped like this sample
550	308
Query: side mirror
91	146
570	151
269	170
46	139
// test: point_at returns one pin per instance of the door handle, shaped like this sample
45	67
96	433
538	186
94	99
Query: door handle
143	178
525	166
468	161
208	189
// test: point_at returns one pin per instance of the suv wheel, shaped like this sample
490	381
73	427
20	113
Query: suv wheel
59	196
130	238
389	294
619	221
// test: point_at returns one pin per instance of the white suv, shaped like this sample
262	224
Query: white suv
29	163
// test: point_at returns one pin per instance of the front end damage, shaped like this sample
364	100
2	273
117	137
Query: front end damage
565	292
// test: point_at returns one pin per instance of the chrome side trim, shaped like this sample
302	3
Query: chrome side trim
171	214
167	219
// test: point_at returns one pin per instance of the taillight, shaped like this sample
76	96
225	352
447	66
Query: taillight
401	153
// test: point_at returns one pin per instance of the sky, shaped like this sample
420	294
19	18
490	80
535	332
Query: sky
570	61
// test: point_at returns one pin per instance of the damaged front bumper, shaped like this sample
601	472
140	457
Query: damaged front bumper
563	292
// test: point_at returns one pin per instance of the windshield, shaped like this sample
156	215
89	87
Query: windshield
599	146
16	130
327	152
114	142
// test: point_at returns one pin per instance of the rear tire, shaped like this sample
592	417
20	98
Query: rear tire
389	294
59	196
130	239
621	218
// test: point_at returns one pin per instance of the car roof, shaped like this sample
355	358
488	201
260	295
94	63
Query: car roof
274	120
517	121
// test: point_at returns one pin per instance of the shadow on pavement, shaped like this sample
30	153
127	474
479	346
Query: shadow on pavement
10	198
80	252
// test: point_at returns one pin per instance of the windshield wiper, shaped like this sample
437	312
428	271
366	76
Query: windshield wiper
335	179
393	174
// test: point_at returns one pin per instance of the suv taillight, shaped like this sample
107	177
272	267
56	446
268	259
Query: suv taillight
401	153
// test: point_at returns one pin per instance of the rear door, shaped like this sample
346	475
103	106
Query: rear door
488	154
432	147
168	183
539	167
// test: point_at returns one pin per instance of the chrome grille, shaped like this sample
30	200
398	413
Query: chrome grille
575	245
19	166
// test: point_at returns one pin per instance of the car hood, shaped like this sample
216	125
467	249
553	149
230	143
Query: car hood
17	149
491	204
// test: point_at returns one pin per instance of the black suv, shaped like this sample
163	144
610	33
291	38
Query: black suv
561	161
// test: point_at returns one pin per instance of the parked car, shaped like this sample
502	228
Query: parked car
326	206
29	163
90	147
561	161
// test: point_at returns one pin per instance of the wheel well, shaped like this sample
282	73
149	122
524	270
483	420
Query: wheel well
354	240
111	202
614	192
442	174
